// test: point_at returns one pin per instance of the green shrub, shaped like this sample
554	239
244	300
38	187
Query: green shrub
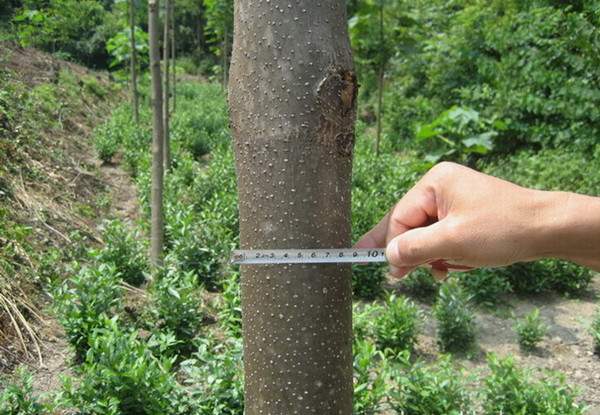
421	284
371	378
198	146
214	377
530	330
551	169
433	390
510	390
121	376
124	250
396	325
83	302
485	286
17	398
455	319
176	306
549	274
188	247
106	143
75	29
230	310
367	280
528	63
595	332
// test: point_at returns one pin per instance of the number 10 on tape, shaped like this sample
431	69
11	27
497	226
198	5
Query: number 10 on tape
307	256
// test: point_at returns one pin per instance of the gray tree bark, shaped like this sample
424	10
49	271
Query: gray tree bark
133	65
167	80
157	220
292	93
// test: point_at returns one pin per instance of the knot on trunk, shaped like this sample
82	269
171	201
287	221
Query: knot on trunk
336	95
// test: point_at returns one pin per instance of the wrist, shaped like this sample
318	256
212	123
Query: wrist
567	226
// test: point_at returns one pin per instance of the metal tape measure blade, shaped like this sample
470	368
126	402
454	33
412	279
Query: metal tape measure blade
307	256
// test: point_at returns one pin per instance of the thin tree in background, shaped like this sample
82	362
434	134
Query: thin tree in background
292	98
381	76
167	79
156	207
225	51
133	64
173	57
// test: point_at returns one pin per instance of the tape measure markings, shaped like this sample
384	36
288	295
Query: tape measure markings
307	256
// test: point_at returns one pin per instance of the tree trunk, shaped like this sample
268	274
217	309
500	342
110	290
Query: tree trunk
167	79
133	64
381	78
173	53
292	99
157	226
225	51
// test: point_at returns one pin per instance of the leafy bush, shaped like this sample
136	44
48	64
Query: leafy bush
17	398
371	377
421	284
484	286
213	377
121	376
527	63
551	169
549	274
106	143
177	306
188	248
459	133
455	319
433	390
595	332
77	29
396	325
83	302
530	330
510	390
124	250
230	310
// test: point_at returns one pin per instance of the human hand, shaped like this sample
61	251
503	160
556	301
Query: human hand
458	218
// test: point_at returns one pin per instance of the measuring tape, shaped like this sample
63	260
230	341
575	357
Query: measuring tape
307	256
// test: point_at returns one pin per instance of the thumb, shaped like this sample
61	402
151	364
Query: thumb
419	246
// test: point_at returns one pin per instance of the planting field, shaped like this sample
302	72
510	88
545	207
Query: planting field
180	334
92	324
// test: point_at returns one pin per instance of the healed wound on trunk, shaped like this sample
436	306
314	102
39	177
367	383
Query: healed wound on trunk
336	96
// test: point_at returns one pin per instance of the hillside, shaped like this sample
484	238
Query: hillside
53	190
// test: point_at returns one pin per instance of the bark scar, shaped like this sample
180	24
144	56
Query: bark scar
336	95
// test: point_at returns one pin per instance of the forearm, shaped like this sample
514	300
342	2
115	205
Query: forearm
569	226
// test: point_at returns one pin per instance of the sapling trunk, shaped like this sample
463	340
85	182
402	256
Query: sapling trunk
133	65
292	93
167	79
157	220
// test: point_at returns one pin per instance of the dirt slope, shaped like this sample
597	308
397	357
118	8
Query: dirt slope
53	192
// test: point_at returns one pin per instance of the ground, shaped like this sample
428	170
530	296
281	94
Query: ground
567	346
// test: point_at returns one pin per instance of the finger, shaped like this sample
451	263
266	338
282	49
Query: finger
375	238
419	246
416	209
